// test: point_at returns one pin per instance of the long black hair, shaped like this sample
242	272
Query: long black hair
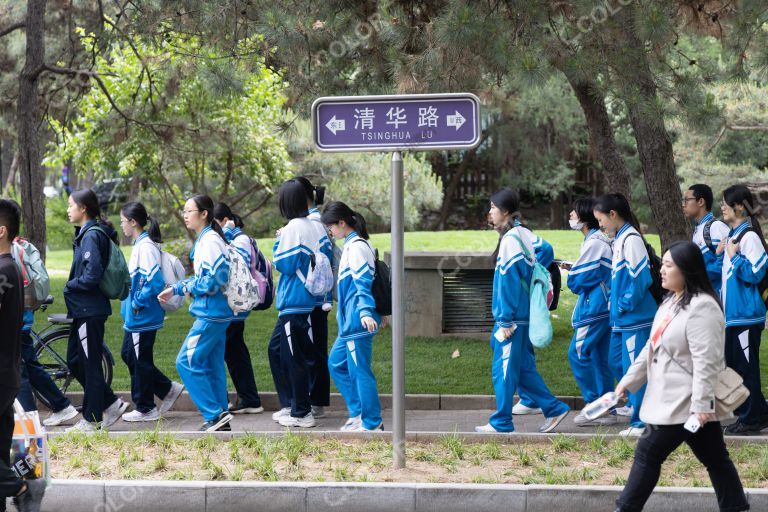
508	200
292	200
136	211
338	211
222	211
315	195
87	199
205	204
740	194
688	258
618	203
584	208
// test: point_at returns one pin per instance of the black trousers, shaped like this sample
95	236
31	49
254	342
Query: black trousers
10	484
658	442
742	353
85	351
291	358
147	381
239	364
320	382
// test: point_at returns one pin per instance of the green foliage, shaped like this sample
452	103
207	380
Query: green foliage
59	231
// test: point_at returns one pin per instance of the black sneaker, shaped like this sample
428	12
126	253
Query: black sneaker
742	429
32	498
218	424
243	408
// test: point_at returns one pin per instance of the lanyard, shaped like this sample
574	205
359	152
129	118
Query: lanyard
656	334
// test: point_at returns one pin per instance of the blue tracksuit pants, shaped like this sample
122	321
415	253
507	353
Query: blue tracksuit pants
625	346
349	364
588	355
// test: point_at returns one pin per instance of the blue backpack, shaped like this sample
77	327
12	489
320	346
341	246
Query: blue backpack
540	295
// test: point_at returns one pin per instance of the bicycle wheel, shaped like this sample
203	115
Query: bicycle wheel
52	355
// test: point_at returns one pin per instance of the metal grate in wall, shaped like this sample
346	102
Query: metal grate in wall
467	301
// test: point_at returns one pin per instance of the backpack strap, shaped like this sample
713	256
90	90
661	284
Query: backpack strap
526	286
707	233
741	235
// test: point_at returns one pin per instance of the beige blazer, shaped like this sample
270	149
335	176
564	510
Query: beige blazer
696	339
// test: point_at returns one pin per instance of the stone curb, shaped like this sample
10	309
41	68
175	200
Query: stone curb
128	496
412	402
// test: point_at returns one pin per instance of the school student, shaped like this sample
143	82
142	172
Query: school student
590	278
89	309
236	353
514	363
350	359
200	362
632	306
744	266
27	493
320	381
291	354
143	317
709	232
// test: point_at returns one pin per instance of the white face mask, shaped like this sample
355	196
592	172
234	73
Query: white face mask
575	224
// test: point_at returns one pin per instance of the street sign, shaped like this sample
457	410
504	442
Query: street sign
396	123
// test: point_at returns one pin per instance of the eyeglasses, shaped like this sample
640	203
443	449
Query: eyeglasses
184	213
686	199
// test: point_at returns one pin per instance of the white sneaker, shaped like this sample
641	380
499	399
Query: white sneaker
632	432
551	424
361	428
285	411
318	411
624	411
170	399
352	424
487	428
83	426
57	418
520	409
114	412
307	421
136	416
581	421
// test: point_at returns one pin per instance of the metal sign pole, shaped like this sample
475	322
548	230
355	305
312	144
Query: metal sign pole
398	314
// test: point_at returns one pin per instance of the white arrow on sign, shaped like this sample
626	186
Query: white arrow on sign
456	120
336	125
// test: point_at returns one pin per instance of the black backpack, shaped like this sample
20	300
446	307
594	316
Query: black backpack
654	265
762	286
557	283
381	289
707	234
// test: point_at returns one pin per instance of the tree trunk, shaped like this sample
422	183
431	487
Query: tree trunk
615	172
28	121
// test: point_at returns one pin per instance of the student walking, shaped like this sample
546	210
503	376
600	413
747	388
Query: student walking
744	267
200	362
709	231
236	353
350	359
632	306
680	365
89	309
291	354
589	278
514	363
143	317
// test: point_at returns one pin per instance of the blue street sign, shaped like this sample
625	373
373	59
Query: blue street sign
395	123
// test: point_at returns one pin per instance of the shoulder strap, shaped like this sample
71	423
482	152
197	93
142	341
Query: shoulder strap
375	252
741	235
707	234
522	244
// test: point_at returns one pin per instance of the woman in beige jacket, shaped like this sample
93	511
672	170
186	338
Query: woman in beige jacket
680	364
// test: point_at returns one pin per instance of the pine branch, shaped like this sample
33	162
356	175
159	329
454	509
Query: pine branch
11	28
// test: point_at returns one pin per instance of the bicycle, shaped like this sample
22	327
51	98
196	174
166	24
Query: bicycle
51	350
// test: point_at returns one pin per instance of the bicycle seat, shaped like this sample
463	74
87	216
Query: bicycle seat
48	300
59	318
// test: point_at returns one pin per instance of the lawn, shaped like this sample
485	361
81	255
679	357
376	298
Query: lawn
429	365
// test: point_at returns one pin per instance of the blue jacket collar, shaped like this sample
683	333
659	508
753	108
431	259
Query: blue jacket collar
141	237
706	218
350	236
194	245
738	229
623	228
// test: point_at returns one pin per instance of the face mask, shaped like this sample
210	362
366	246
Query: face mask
575	224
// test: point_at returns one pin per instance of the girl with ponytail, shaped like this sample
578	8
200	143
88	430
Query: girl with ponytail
201	359
514	362
143	317
349	362
744	267
236	353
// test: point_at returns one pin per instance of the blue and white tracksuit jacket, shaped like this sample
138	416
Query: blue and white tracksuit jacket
326	247
632	308
514	363
141	310
718	231
349	362
292	253
242	243
201	359
590	279
741	274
